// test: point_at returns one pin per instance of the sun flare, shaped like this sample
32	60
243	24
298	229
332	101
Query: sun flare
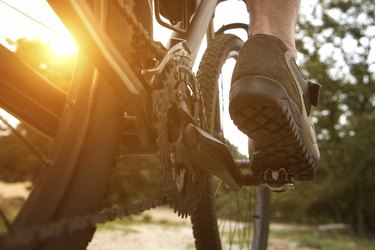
35	20
63	48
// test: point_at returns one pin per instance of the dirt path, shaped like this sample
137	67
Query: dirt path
158	229
144	237
166	232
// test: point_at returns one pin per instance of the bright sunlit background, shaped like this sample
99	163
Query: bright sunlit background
34	20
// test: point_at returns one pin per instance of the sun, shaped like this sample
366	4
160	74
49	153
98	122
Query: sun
35	20
62	48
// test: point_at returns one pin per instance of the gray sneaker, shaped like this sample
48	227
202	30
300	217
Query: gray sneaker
270	101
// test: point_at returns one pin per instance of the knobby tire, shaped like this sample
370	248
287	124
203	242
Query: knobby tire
204	219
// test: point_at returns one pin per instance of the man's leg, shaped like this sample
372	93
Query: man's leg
275	17
270	99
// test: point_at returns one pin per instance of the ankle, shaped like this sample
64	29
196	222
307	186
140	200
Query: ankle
275	17
287	39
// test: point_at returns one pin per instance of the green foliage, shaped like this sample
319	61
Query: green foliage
314	239
135	178
338	57
17	162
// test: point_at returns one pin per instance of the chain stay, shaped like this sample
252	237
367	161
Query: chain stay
24	236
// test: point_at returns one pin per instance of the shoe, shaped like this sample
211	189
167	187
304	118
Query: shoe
270	101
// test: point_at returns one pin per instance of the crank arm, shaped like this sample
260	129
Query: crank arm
212	156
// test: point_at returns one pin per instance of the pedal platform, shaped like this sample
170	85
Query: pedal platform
278	180
205	152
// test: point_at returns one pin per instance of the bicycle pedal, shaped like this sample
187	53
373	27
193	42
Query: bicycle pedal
278	180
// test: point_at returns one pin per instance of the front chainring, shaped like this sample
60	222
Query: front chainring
178	102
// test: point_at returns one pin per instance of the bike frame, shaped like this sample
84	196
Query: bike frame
34	100
138	123
76	15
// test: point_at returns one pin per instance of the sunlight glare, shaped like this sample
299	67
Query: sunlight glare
63	48
48	27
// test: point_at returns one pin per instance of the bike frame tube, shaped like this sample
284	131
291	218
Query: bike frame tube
198	26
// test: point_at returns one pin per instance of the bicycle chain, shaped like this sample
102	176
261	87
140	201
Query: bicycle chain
27	236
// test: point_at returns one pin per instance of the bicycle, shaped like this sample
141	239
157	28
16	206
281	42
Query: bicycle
148	103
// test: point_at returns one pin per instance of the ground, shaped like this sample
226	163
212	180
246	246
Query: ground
162	229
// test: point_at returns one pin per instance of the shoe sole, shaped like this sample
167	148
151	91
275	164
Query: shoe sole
261	108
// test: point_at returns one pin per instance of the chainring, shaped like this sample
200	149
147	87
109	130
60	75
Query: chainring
179	91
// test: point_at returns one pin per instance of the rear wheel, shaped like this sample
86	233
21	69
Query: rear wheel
225	219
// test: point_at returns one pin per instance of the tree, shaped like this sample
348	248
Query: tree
336	45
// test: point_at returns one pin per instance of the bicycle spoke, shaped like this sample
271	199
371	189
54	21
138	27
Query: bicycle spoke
28	144
239	220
